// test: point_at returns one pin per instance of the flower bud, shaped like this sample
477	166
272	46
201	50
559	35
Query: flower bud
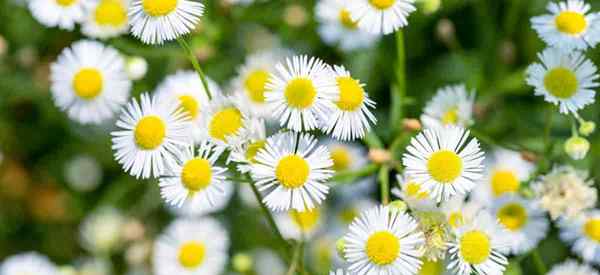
379	155
340	245
577	147
242	262
136	67
587	127
411	124
398	205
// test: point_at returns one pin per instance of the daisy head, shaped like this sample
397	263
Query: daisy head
296	224
102	231
191	246
338	28
569	26
58	13
459	211
564	79
28	263
452	105
444	161
583	234
572	267
300	92
292	169
413	193
244	154
477	247
346	156
89	82
226	121
157	21
351	118
106	19
381	16
150	134
382	241
526	224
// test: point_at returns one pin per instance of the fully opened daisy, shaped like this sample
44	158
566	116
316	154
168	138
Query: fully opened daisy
381	16
89	82
382	241
28	263
459	211
452	105
58	13
195	179
150	134
569	26
227	121
346	156
106	18
413	193
292	170
444	161
191	246
583	233
351	118
299	224
477	247
572	267
338	28
157	21
300	92
564	79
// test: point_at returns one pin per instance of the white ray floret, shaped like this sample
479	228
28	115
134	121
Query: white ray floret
28	263
59	13
381	16
106	19
583	234
338	28
452	105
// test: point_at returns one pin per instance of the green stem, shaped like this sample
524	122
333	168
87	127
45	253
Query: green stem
294	263
384	184
539	262
548	127
399	88
195	64
270	219
353	175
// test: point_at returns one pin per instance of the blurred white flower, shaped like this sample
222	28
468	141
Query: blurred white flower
101	232
83	173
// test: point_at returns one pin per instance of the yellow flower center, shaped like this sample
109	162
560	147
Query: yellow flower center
592	229
346	20
444	166
450	117
306	220
341	159
191	254
475	247
159	7
150	132
382	248
65	3
111	13
255	85
196	174
226	122
253	149
513	216
456	219
347	215
561	82
300	93
190	105
570	22
87	83
413	189
504	182
382	4
292	171
351	94
431	268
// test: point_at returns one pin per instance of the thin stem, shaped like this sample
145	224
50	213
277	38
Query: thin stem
548	128
384	184
539	262
399	87
195	64
294	264
269	217
353	175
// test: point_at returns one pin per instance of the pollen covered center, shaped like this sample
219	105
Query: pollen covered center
513	216
191	254
190	105
159	7
592	229
450	117
413	189
570	22
341	159
444	166
351	94
65	3
561	82
382	4
382	248
111	13
150	132
300	93
475	247
306	220
255	85
196	174
226	122
504	182
346	19
292	171
253	149
87	83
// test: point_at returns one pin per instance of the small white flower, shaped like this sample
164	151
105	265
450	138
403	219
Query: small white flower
300	224
338	28
245	154
83	173
226	121
136	67
459	211
583	233
28	263
413	194
452	105
577	147
58	13
572	267
190	210
106	19
102	231
346	156
381	16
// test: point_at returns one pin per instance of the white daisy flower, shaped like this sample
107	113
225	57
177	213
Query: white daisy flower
89	82
569	26
300	92
352	209
300	224
292	170
381	16
477	247
444	161
572	267
381	241
351	118
149	136
245	154
28	263
58	13
191	246
564	79
346	156
525	222
136	67
186	87
226	121
106	19
338	28
190	210
413	194
459	211
102	231
452	105
157	21
583	233
195	180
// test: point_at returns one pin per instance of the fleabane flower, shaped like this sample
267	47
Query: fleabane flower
89	82
564	79
478	247
296	224
569	26
58	13
459	211
572	267
381	16
301	92
382	241
101	232
28	263
338	28
106	19
226	121
292	170
157	21
150	134
583	234
444	161
191	210
351	118
244	154
413	193
452	105
346	156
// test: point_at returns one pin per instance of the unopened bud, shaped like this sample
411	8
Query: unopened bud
242	262
379	156
136	67
577	147
411	124
529	156
295	15
587	127
446	31
340	246
399	206
430	6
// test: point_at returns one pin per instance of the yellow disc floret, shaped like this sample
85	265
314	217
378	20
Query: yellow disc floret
456	219
306	220
292	171
382	4
513	216
341	158
561	82
65	3
475	247
159	7
191	254
592	229
571	22
224	123
413	189
150	132
196	174
382	248
253	149
190	105
300	93
444	166
504	182
87	83
450	117
346	20
351	94
255	85
111	13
